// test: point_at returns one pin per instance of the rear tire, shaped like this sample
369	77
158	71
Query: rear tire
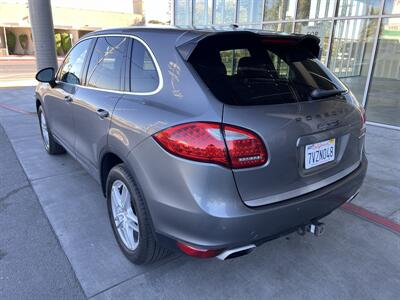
138	242
50	144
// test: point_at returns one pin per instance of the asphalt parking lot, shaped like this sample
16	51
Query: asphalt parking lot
354	259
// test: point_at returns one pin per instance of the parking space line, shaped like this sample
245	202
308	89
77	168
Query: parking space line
373	217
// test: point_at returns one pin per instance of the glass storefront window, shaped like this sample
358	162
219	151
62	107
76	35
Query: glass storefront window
275	10
250	11
225	11
183	12
358	8
391	7
202	12
351	52
279	27
315	9
320	29
383	98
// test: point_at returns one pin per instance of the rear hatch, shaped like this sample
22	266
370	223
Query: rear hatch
275	86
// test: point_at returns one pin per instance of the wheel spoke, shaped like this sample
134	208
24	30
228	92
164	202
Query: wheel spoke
132	223
125	197
128	236
115	196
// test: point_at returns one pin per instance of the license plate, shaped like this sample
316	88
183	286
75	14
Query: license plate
319	153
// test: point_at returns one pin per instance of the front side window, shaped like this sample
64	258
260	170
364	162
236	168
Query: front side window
71	71
144	76
107	63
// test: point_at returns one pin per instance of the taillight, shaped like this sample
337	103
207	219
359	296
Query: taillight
245	148
226	145
197	252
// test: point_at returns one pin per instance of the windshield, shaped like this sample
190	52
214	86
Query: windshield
251	71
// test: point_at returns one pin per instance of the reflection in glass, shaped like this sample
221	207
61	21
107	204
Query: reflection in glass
225	11
320	29
251	26
275	10
183	11
391	7
351	52
250	11
202	12
315	9
359	7
383	97
279	27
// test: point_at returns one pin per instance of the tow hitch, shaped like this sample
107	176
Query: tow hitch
316	228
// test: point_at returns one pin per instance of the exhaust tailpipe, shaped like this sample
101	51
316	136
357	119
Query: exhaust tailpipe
237	252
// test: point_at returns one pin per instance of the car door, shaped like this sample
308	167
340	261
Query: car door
57	102
94	102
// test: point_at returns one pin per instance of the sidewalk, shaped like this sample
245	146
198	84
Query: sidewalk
32	262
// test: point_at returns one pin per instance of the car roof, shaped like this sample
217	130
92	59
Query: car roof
199	31
186	38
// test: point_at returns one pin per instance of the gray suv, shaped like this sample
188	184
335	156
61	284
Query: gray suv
203	141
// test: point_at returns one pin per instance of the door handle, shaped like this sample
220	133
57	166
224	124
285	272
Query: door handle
102	113
68	98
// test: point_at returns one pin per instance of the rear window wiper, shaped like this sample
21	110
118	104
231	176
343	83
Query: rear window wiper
320	93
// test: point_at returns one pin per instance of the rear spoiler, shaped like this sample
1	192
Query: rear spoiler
188	42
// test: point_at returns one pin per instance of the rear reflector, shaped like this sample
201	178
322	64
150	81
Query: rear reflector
201	253
226	145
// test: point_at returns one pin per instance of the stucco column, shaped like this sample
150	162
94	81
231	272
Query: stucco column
43	33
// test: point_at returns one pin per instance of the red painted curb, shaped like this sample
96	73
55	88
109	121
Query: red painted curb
362	212
15	109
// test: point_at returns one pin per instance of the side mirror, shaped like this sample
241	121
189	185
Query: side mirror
46	75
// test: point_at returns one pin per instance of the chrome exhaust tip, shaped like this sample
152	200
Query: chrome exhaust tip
352	197
236	252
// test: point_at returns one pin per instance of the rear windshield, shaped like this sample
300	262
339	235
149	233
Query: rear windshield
253	70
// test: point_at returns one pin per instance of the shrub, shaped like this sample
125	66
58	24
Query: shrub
23	41
66	42
59	49
11	41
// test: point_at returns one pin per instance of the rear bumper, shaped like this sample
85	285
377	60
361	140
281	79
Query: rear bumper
266	223
213	215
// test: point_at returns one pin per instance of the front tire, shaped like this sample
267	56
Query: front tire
51	146
129	218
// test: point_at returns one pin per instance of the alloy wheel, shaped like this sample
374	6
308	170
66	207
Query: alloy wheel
124	216
45	131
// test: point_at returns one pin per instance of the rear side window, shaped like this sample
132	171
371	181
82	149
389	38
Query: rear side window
71	70
107	64
251	71
144	76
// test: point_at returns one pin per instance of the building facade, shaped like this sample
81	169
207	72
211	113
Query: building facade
360	39
72	19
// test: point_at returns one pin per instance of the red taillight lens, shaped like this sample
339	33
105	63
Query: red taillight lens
197	252
196	141
228	145
245	148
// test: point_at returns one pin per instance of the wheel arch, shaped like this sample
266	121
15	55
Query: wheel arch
108	161
38	103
